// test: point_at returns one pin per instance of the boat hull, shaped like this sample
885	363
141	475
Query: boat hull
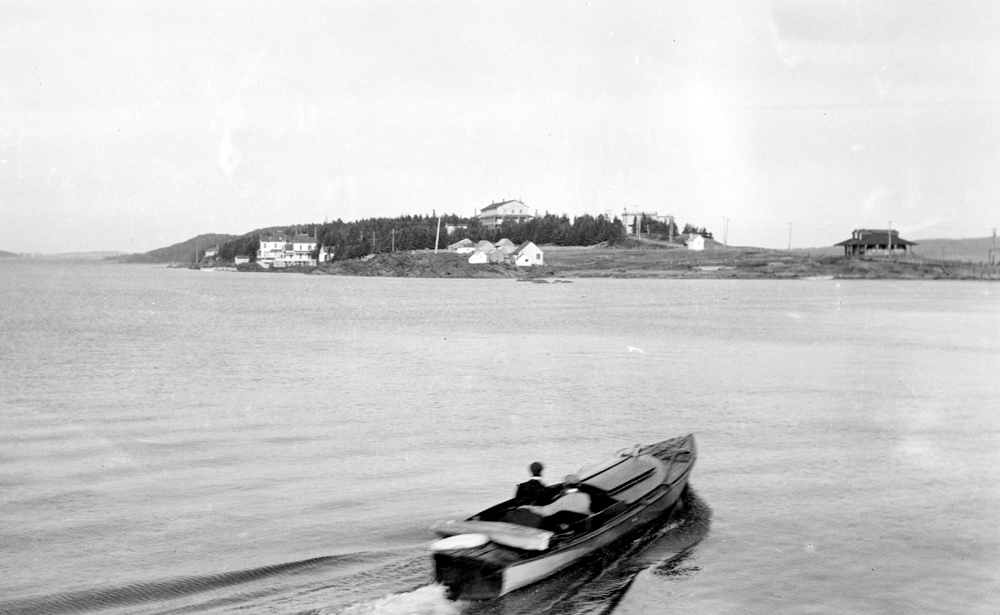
490	573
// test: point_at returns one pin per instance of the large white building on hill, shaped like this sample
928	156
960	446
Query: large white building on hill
493	215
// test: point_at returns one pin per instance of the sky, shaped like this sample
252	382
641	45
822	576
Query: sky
135	125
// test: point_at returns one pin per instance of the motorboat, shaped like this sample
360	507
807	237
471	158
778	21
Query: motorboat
509	546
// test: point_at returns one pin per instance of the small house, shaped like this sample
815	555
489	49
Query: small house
695	242
528	255
490	255
506	246
241	259
465	246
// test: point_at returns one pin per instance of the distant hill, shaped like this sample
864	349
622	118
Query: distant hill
86	256
976	250
8	254
183	252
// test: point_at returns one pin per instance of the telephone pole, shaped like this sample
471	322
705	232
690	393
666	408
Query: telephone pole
790	236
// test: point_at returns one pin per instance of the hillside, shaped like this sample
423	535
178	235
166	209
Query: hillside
183	252
8	254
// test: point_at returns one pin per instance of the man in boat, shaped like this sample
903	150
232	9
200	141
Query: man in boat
532	491
572	506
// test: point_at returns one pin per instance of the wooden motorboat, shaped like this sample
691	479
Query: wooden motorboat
507	547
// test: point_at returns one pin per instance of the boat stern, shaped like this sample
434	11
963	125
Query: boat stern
468	578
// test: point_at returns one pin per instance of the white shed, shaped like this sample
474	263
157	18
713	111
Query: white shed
695	242
528	255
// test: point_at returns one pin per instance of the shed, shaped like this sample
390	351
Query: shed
695	242
528	255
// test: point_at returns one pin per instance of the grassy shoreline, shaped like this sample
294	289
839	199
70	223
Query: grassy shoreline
748	263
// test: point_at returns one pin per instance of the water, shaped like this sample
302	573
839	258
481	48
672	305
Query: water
173	441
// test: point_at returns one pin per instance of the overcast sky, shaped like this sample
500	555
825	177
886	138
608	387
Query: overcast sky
135	125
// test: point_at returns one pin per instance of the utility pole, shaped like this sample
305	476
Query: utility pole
789	236
725	233
393	240
437	237
890	239
993	250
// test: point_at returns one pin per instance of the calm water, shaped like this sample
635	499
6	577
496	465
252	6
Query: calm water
174	441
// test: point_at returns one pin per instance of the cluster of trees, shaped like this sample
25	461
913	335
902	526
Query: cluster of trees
585	230
688	229
245	245
664	230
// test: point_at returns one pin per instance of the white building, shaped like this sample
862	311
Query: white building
489	255
631	220
465	246
695	242
528	255
494	214
282	249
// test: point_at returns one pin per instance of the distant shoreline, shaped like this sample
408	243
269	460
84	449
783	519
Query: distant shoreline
660	263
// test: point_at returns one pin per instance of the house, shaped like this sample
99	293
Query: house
490	255
281	249
632	220
695	242
495	214
241	259
506	246
212	252
484	245
465	246
528	255
880	242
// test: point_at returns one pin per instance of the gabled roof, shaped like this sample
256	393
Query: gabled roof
461	243
523	246
504	242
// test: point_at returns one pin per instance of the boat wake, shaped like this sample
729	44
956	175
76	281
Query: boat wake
391	582
427	600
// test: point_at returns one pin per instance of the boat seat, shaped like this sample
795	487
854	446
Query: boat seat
522	516
599	498
566	520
